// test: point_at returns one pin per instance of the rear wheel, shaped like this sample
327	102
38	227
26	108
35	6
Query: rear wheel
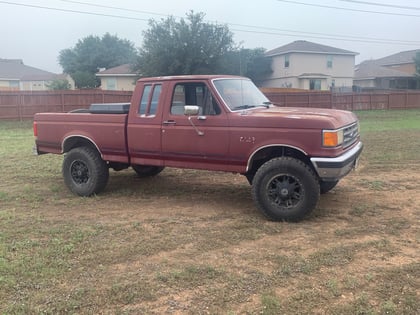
285	189
147	170
84	171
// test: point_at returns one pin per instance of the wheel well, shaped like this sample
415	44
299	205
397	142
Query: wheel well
268	153
75	142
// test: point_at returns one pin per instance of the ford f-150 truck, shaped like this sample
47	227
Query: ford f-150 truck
212	122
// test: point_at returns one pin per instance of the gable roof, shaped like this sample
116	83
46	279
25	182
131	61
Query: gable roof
402	57
123	70
303	46
15	69
372	69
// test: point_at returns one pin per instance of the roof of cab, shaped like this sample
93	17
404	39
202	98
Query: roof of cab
189	77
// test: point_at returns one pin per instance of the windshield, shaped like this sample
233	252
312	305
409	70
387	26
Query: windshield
240	94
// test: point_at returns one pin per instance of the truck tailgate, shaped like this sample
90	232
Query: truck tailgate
56	131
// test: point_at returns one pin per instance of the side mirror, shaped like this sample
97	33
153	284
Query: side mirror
191	110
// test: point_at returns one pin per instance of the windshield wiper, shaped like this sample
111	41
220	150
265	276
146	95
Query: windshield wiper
265	104
243	107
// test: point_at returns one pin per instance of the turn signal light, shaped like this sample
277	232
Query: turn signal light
332	138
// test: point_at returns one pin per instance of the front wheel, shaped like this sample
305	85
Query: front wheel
84	171
285	189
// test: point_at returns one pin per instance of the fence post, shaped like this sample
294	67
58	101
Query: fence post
20	101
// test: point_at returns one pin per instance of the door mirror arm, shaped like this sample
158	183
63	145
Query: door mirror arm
193	110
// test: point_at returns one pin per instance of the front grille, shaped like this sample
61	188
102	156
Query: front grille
350	134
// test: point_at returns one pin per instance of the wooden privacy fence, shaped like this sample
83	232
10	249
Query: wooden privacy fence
347	101
20	105
24	104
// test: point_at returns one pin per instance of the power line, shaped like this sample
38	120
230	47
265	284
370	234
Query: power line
348	9
372	41
317	35
73	11
325	36
382	5
257	29
114	8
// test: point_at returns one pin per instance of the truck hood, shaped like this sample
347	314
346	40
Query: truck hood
294	117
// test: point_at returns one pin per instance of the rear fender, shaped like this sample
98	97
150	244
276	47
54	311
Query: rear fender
75	141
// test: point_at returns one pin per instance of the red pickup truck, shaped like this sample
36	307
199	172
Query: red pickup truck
224	123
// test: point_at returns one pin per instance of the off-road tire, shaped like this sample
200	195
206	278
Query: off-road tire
147	170
325	187
285	189
84	171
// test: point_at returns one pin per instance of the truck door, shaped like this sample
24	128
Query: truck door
198	141
144	125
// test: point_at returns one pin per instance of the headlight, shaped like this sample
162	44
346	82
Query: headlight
332	138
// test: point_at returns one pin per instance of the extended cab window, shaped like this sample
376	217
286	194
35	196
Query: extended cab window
150	100
193	93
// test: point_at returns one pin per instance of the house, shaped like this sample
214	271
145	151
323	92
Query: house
122	78
15	76
310	66
396	71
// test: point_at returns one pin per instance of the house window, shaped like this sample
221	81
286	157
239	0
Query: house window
286	61
14	84
329	61
315	84
111	84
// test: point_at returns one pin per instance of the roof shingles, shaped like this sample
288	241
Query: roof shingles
302	46
15	69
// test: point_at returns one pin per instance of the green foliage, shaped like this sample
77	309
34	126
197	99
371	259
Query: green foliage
85	80
188	46
251	63
93	53
59	84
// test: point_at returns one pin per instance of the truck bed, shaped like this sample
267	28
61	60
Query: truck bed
106	131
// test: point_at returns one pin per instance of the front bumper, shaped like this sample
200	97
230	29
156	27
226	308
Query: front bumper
330	169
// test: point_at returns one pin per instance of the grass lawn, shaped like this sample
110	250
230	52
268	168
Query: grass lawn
192	242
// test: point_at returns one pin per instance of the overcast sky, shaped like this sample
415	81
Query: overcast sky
37	30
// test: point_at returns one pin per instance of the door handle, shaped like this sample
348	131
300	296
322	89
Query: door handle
169	122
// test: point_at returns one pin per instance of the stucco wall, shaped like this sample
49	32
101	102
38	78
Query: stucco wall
304	66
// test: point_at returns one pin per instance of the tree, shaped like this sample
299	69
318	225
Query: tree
93	53
59	84
251	63
188	46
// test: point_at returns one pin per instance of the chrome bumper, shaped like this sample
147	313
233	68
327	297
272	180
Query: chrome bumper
335	168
